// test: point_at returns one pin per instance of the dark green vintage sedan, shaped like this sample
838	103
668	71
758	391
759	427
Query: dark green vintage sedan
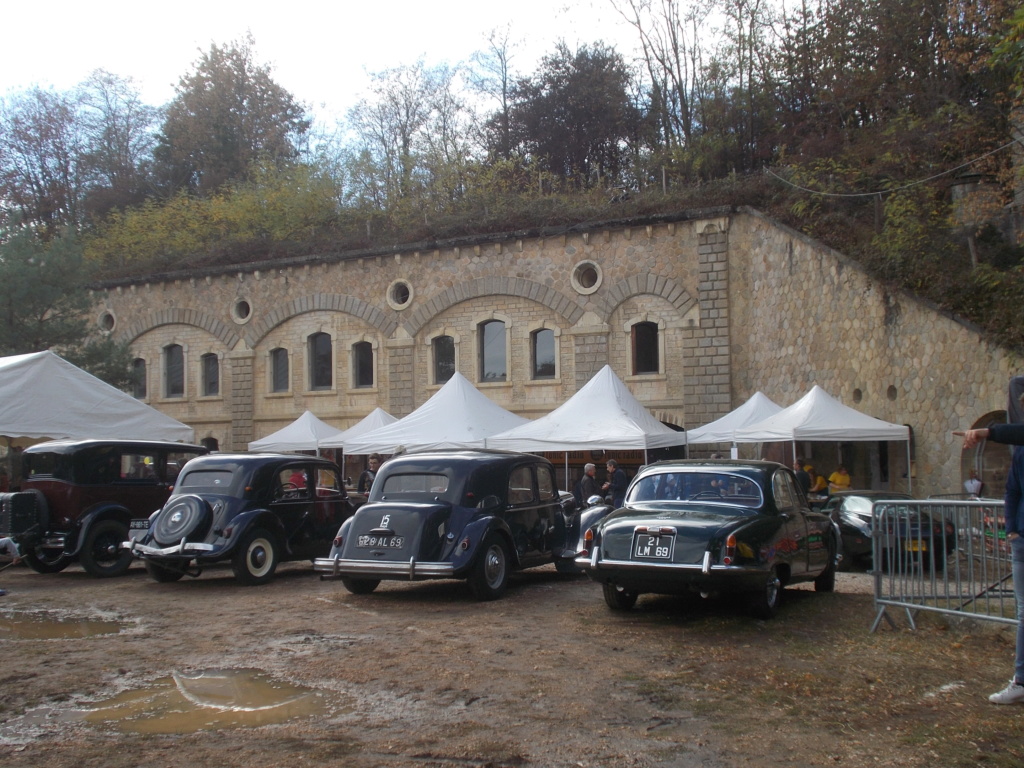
711	527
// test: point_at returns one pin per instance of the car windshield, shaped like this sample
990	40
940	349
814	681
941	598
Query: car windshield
412	485
708	486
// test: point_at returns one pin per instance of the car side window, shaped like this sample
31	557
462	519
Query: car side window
139	466
785	493
520	486
326	482
546	483
292	483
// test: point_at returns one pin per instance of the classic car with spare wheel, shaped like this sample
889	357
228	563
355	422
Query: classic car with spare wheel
78	497
711	527
255	510
475	515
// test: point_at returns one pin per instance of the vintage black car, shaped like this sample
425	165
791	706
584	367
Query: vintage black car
78	497
255	510
473	514
711	527
908	535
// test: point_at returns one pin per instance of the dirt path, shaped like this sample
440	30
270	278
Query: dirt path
423	675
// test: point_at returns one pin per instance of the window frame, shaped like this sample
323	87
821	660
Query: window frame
317	365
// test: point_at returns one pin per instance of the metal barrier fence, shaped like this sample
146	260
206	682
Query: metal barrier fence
944	556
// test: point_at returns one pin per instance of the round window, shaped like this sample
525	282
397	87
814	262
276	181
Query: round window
399	294
241	311
107	322
586	277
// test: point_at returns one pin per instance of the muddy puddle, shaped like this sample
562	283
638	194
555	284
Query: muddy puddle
44	626
185	703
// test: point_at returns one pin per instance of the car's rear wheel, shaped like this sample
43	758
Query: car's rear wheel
43	560
360	586
489	576
619	598
163	573
764	603
256	558
102	554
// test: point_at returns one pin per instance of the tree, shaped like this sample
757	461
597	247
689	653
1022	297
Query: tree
44	303
492	76
119	138
574	117
227	114
41	172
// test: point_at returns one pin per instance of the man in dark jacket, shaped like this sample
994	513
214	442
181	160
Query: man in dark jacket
617	483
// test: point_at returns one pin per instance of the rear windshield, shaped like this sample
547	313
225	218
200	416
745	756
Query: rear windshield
415	485
712	487
209	480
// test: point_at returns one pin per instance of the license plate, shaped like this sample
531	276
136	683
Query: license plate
916	545
652	546
137	528
380	542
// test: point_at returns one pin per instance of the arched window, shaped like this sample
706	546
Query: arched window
362	364
139	378
174	371
209	367
443	348
645	348
492	351
542	353
321	361
279	370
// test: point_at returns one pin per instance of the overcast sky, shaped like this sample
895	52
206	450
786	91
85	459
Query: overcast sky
319	51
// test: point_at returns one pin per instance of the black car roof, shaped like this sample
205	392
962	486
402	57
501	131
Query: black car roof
73	446
431	460
256	460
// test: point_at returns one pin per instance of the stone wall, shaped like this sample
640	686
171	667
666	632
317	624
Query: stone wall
741	304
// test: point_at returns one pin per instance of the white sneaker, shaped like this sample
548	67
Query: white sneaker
1011	694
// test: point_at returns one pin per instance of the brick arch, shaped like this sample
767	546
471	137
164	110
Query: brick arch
494	286
636	285
330	302
178	316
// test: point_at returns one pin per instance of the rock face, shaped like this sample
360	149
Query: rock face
695	315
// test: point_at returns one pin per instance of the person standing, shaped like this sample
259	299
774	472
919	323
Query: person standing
803	477
367	475
1012	434
839	480
588	483
617	483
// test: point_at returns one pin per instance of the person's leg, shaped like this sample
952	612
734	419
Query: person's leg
1014	692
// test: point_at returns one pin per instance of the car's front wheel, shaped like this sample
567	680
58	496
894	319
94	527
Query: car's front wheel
360	586
489	576
163	574
764	603
256	558
102	554
619	598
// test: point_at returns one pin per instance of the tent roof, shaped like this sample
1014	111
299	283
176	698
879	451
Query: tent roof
303	434
757	408
602	415
819	416
42	395
375	419
458	415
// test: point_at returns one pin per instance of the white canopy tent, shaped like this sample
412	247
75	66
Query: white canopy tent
375	419
42	395
458	415
819	416
723	430
306	433
602	415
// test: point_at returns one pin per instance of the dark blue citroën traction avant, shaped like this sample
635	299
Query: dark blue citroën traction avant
711	527
473	515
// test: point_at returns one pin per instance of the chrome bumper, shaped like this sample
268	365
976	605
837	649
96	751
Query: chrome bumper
181	549
594	562
336	567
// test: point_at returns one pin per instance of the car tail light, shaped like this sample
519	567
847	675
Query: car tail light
464	544
337	542
730	549
588	543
